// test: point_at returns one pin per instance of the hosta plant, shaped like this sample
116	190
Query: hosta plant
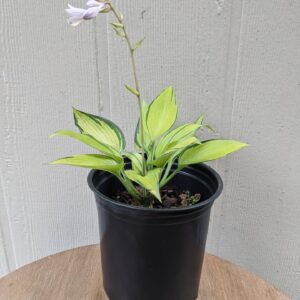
162	149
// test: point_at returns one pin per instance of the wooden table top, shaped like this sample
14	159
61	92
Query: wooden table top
75	275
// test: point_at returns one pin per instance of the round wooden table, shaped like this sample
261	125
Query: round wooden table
75	275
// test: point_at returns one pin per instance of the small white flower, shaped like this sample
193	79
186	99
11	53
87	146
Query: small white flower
77	15
93	3
92	12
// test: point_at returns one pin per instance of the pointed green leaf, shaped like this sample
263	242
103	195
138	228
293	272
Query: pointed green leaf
136	161
90	141
174	150
117	25
174	136
168	166
132	90
162	113
209	150
182	144
161	161
137	138
200	120
149	182
209	127
139	43
120	32
100	129
91	161
105	10
177	139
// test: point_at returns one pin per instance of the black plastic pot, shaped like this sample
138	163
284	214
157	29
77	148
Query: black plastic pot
154	254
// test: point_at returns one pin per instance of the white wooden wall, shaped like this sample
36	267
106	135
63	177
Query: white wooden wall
236	60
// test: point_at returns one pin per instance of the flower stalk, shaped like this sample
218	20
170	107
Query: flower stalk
137	87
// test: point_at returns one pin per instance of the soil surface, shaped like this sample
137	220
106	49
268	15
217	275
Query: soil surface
171	196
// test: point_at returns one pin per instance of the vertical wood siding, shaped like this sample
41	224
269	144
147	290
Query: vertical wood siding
237	61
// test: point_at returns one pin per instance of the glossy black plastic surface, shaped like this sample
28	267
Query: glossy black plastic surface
154	254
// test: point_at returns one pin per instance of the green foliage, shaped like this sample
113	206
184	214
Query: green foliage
137	138
161	114
175	140
138	44
159	146
90	141
136	161
163	145
119	29
132	90
175	136
209	150
150	181
117	25
100	129
92	161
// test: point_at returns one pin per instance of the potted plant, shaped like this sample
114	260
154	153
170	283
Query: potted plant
153	203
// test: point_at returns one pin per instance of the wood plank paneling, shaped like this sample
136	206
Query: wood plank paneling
259	223
234	12
3	256
46	68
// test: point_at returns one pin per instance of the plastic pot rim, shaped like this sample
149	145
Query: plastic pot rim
197	206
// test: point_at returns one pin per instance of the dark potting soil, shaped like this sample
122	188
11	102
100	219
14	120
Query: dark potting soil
171	196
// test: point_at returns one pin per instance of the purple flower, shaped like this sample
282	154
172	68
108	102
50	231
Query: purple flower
77	15
93	3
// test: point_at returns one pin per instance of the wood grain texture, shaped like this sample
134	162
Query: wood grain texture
75	274
235	60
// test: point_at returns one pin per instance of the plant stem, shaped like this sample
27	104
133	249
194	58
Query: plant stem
137	87
166	180
167	171
128	184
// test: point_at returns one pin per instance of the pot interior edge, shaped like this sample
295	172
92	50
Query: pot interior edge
197	178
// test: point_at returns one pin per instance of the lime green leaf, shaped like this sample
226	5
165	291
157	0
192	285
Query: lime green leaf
161	160
137	138
119	31
100	129
117	25
90	141
168	166
105	10
149	182
132	90
200	120
209	150
182	144
176	139
209	127
174	148
162	113
174	136
136	161
91	161
139	43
